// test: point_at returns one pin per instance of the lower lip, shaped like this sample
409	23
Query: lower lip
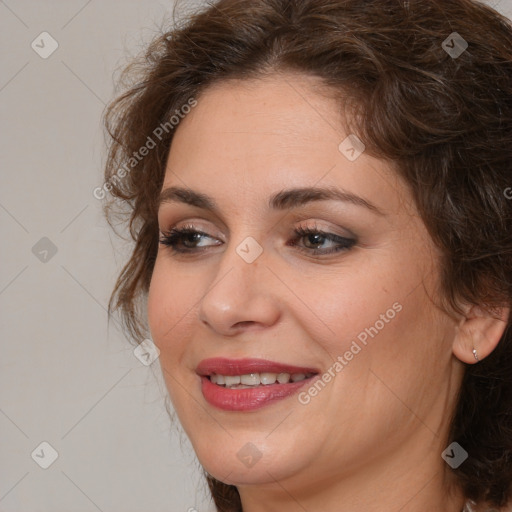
248	399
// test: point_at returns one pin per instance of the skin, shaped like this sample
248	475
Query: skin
372	438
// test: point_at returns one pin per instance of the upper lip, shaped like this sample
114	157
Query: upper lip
225	366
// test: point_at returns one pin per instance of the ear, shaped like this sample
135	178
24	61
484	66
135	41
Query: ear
479	331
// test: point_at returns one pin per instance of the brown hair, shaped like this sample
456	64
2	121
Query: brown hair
444	120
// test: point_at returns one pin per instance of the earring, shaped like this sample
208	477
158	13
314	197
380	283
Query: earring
475	354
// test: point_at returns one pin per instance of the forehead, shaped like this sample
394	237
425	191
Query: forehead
285	110
269	134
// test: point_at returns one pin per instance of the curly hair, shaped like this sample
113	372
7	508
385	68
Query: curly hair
443	118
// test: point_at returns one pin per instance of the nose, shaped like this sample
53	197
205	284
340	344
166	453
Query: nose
241	295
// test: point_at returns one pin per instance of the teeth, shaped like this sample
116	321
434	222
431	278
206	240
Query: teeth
268	378
253	379
231	380
256	379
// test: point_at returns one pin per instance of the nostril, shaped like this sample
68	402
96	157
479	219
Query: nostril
243	324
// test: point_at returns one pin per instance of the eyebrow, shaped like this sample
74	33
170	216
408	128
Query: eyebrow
285	199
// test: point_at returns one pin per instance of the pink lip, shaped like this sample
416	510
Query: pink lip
224	366
250	398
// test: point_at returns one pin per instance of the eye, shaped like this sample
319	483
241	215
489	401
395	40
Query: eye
184	240
188	240
314	237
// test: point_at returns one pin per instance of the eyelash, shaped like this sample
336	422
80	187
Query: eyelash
172	238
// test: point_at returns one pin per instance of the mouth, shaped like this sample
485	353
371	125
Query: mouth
252	380
249	384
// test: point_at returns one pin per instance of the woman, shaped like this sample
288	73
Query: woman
317	192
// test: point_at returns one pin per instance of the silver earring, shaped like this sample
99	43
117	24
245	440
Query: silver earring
475	354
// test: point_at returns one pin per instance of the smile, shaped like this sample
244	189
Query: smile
249	384
251	380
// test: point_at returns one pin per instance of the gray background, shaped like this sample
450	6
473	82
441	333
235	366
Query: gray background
66	377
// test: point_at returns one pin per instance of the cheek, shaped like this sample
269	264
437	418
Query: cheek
374	315
171	295
157	306
170	318
345	303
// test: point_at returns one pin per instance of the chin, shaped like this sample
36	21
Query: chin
252	464
235	474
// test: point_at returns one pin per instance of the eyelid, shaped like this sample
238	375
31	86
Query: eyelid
327	230
192	226
188	214
195	223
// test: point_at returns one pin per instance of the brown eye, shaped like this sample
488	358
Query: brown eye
317	237
184	240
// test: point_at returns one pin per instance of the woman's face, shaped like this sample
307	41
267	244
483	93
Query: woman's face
351	306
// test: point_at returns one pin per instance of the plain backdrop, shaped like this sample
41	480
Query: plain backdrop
66	377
